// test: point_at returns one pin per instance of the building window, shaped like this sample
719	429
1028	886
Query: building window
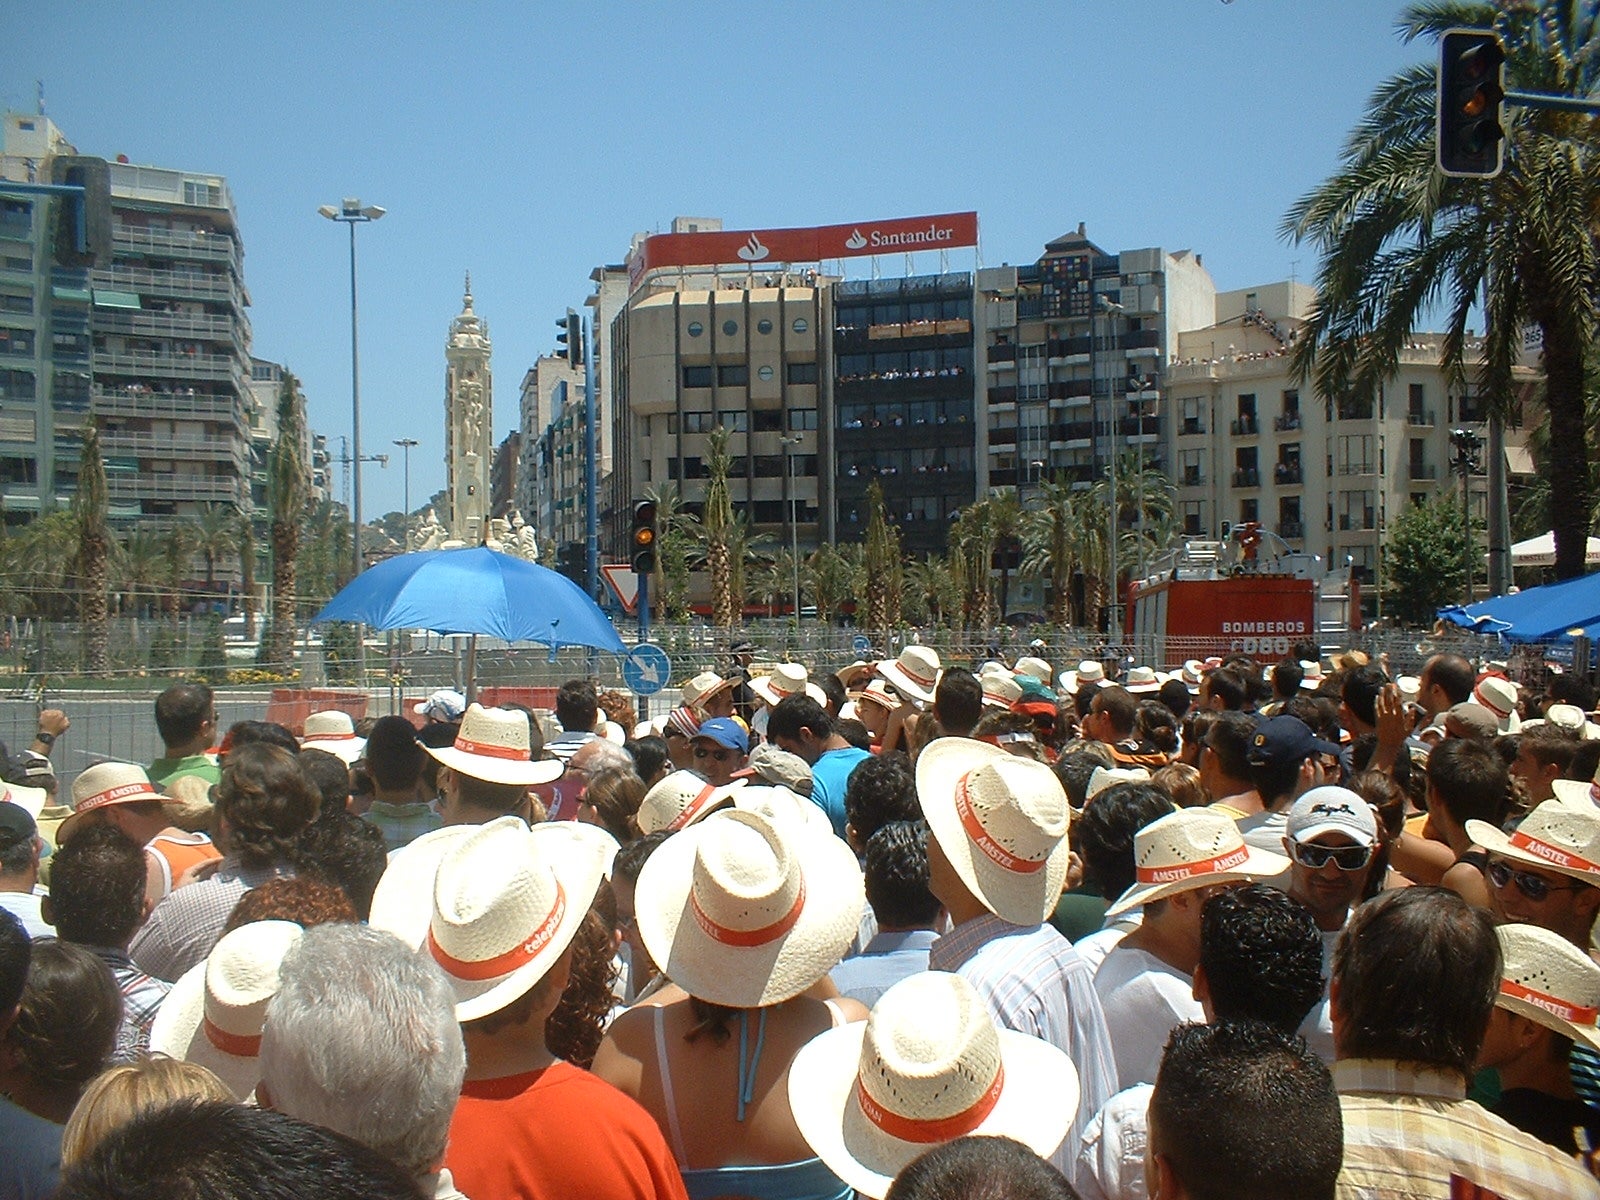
802	419
734	375
800	325
730	328
767	420
696	329
17	342
763	326
1249	510
18	385
16	304
697	377
697	422
19	470
734	420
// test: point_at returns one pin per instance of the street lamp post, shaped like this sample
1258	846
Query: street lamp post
405	445
794	531
351	212
1464	461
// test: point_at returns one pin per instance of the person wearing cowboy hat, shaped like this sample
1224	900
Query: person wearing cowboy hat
802	726
487	771
997	861
710	694
875	706
1548	1001
1546	872
744	912
507	904
1146	983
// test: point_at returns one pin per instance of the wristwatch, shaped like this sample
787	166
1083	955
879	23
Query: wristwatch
48	739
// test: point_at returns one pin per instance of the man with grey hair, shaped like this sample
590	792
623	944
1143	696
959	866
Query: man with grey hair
362	1039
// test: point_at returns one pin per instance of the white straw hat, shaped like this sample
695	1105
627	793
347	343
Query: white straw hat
1571	718
878	692
1030	664
1499	696
1577	792
493	744
926	1067
1090	673
402	903
915	672
742	912
1311	676
679	800
1142	681
1000	691
506	905
782	807
1103	777
335	732
1557	835
786	679
1188	849
102	784
696	691
1547	979
1001	820
445	705
214	1014
1193	674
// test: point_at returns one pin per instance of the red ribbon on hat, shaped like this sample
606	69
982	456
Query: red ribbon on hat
111	795
238	1044
1554	855
328	737
503	964
1575	1013
488	750
692	809
992	850
1182	871
919	680
746	938
925	1131
1482	698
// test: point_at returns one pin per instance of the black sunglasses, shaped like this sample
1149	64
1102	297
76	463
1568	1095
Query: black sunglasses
1346	858
719	755
1534	887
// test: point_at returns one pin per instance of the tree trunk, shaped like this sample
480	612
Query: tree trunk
1569	450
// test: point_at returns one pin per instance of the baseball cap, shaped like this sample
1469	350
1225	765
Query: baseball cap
16	824
1285	739
724	731
443	705
1331	810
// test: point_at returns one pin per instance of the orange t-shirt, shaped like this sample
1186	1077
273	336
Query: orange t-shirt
177	855
555	1134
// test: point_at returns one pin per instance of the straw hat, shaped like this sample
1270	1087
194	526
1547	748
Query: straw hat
928	1066
214	1014
1000	691
744	912
782	807
1192	848
1103	777
915	672
102	784
334	732
1550	981
1499	696
1558	835
1576	792
1311	676
402	903
493	745
611	732
1001	820
1410	687
1571	718
696	691
1141	681
506	905
1193	673
679	800
1030	664
878	692
787	679
1090	673
30	800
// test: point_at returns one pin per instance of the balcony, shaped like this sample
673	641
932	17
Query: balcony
115	444
1423	471
1355	412
219	368
1366	520
1244	427
182	284
1247	478
128	402
1292	530
151	323
195	488
1193	426
1287	473
1421	418
165	243
1286	423
1357	468
1002	395
1003	353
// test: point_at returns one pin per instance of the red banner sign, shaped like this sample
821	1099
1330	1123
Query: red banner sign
902	235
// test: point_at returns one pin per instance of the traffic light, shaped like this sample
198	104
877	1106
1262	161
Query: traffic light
570	339
644	537
83	222
1471	104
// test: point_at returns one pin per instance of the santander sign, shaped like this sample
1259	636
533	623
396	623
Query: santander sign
898	235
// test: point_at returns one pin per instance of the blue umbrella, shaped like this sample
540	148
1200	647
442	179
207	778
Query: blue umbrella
476	591
1538	614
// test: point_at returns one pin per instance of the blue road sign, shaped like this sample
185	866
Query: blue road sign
861	643
646	669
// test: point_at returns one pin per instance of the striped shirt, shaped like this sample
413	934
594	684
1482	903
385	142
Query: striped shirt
141	995
1410	1133
1035	983
184	927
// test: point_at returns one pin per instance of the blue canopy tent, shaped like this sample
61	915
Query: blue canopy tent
1540	614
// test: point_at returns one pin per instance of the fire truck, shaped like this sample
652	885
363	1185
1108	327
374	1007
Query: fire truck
1249	593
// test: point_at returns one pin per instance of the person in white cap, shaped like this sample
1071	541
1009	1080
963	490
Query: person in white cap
487	771
997	860
1549	1001
1146	983
505	912
20	846
442	707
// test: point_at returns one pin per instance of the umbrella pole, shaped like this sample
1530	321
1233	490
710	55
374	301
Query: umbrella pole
472	668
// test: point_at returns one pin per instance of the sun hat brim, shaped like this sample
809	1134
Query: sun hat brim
523	771
579	866
1261	865
1573	791
346	750
891	670
1037	1104
1589	1035
762	688
402	903
1022	899
749	976
68	827
1496	841
722	686
178	1032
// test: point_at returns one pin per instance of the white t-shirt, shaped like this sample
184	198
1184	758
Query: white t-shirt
1111	1160
25	907
1317	1028
1094	947
1143	999
1265	830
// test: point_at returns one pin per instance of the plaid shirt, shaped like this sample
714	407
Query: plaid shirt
189	921
402	824
1410	1133
1035	983
141	996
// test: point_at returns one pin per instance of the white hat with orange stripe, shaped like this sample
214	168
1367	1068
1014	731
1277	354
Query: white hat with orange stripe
1188	849
493	744
1550	981
1558	835
105	784
679	800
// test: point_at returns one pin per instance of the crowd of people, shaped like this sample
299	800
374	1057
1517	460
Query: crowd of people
907	929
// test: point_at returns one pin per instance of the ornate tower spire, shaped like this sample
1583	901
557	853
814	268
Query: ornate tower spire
469	422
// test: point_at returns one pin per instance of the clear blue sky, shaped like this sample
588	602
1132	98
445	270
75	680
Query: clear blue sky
527	141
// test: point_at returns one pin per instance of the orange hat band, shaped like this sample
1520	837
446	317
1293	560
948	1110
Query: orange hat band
1182	871
238	1044
503	964
937	1129
992	850
691	810
748	937
489	750
1554	855
1575	1013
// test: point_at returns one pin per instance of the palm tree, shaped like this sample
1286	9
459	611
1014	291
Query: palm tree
1141	492
288	490
719	533
1050	544
884	568
1396	237
94	551
932	592
244	540
829	577
213	534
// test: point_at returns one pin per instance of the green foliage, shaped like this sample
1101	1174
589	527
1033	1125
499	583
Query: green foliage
341	649
1424	567
213	656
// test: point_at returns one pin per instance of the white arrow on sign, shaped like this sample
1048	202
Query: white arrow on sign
647	670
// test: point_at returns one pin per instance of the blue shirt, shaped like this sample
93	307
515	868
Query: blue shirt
30	1167
888	959
830	775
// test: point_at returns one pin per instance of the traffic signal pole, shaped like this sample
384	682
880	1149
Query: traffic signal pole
590	468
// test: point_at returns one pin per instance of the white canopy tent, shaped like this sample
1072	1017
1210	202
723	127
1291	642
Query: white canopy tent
1541	552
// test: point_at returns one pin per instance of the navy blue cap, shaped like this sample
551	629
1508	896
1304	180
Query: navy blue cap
1284	739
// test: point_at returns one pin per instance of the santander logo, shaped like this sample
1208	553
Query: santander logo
855	241
753	250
